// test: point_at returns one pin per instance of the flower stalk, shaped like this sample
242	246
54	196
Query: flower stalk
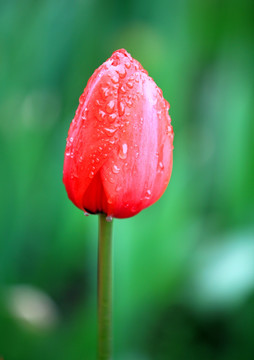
105	289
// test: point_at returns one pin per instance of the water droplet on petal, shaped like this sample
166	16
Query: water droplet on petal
71	139
109	218
86	213
148	194
114	79
129	102
112	118
121	108
128	64
121	71
169	130
122	89
134	208
104	91
91	175
160	166
118	188
115	169
101	115
123	151
98	102
83	116
130	84
109	132
110	106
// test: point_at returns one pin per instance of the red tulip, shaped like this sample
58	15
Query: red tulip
118	157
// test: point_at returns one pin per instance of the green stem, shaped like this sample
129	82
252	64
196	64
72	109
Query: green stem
105	289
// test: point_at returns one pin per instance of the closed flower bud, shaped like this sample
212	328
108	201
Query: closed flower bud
118	157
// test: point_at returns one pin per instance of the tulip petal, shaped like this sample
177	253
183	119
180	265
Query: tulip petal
141	164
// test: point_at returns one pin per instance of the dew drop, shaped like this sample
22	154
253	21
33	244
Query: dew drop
169	130
160	166
130	84
123	151
129	102
110	106
98	102
121	108
115	169
80	158
148	194
109	132
83	116
67	153
114	79
118	188
122	89
104	92
134	208
91	175
86	213
71	139
128	64
101	115
112	118
121	71
109	218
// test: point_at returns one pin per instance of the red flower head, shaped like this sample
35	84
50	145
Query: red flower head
118	157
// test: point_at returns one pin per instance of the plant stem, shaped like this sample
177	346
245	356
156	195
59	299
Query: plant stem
104	289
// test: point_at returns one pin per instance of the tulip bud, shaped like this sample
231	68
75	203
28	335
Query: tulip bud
118	157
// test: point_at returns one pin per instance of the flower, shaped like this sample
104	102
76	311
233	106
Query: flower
118	156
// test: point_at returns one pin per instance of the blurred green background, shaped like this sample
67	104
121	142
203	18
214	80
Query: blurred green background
184	268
